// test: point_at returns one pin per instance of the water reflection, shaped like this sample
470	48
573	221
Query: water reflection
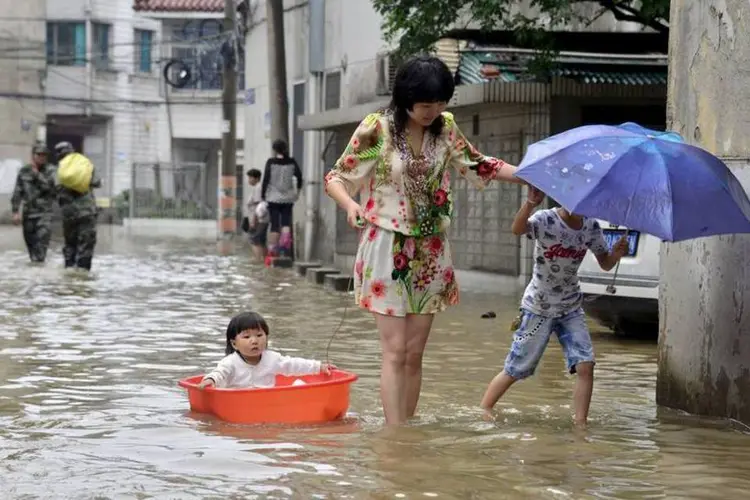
89	406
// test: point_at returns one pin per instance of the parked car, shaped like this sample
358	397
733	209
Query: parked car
634	305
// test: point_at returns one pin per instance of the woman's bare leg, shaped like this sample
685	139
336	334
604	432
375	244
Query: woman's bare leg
393	370
418	328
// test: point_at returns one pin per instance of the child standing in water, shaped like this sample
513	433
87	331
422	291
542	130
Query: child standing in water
552	300
280	192
249	364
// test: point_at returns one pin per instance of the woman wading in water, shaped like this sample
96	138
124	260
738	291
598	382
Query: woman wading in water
401	160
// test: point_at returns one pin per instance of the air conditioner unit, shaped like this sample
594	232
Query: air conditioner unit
386	73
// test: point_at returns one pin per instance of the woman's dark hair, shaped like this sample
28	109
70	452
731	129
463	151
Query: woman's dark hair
280	146
420	79
242	322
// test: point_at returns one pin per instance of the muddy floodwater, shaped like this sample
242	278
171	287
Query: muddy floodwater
90	407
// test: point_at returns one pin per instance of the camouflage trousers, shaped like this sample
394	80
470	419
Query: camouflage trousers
36	234
80	240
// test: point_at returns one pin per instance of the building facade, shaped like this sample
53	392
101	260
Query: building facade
192	38
339	69
22	69
102	87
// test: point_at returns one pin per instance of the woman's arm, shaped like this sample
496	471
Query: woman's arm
298	175
356	164
473	165
266	180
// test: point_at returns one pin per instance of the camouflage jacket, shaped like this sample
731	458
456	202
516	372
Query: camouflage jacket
75	205
35	191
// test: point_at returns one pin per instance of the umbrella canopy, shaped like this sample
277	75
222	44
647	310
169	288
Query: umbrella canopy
639	178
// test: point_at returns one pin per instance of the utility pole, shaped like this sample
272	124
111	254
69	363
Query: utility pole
228	192
279	102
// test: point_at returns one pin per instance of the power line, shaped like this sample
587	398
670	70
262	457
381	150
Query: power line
177	42
192	102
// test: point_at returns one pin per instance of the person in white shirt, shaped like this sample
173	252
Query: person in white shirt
552	301
256	215
249	364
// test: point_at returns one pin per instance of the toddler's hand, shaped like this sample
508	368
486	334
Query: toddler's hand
327	368
206	382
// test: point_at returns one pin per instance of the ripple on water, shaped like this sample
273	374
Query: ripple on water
89	406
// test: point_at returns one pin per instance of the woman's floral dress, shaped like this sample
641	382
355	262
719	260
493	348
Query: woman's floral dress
403	264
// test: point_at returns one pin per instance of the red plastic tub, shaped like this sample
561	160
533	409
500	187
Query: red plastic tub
323	398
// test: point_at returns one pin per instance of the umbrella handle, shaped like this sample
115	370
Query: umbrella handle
611	288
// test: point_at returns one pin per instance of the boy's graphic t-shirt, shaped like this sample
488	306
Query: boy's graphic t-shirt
558	253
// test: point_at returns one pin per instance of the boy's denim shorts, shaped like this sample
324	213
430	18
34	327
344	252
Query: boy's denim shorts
533	334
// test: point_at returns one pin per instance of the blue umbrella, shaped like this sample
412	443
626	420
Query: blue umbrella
639	178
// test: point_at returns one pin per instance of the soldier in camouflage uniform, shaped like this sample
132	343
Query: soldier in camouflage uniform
35	191
79	213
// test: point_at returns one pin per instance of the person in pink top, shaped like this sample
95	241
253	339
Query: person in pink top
401	161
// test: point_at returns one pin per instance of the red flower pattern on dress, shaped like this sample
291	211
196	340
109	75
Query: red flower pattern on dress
448	275
355	144
440	197
370	205
389	311
377	288
366	302
350	161
400	261
435	245
359	269
372	233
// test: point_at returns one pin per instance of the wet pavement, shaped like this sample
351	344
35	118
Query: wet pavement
90	408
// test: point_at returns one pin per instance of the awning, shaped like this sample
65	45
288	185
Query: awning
340	116
507	65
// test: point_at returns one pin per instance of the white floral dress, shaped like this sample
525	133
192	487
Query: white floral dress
403	263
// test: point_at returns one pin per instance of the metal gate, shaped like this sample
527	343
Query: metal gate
346	238
480	233
163	190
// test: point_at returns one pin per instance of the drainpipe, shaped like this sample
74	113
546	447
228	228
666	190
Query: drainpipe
88	9
316	67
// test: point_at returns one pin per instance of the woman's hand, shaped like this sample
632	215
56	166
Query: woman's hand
206	382
355	215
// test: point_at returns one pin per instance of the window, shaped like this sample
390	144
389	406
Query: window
199	46
333	90
100	48
144	43
66	44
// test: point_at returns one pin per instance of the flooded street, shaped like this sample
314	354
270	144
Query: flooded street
90	407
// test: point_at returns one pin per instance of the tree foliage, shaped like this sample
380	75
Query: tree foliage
417	24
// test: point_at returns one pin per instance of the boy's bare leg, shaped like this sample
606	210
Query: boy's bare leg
582	392
498	386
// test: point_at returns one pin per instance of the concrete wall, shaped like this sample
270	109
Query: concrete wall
20	73
704	346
